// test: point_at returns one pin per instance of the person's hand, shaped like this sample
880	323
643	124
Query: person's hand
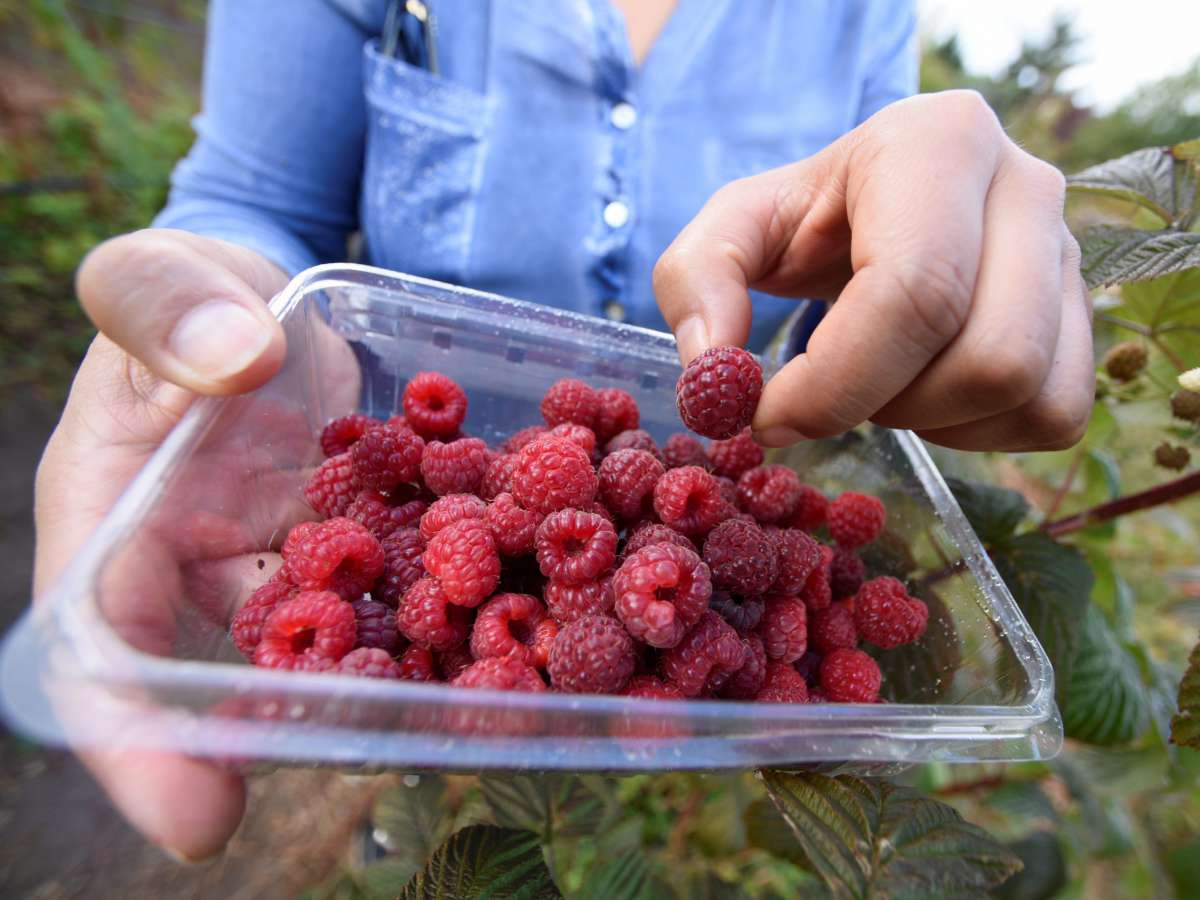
960	312
179	315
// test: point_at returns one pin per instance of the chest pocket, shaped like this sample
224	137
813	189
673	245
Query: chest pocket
423	167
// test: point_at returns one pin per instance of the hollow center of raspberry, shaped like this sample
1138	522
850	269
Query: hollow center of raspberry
693	504
666	595
434	403
573	546
303	640
520	630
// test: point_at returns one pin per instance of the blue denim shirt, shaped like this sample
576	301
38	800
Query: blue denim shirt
541	162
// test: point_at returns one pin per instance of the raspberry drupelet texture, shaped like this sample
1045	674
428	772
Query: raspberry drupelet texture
634	439
784	628
427	617
386	456
769	493
569	602
654	533
742	613
746	682
850	676
718	392
570	400
660	592
450	509
463	557
627	479
498	477
886	615
402	565
855	519
417	664
434	405
375	626
733	456
299	532
799	557
704	660
246	627
575	547
513	528
846	573
579	434
649	687
817	592
684	450
456	467
618	412
500	673
523	437
453	662
592	655
741	557
832	629
689	500
374	512
338	555
332	486
369	662
309	632
811	511
553	474
339	435
783	684
809	665
514	625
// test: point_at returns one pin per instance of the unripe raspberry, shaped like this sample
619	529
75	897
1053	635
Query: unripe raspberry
1186	405
1172	456
1125	361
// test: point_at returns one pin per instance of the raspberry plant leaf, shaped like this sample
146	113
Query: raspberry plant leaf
1115	255
626	875
873	839
485	861
550	805
1185	726
413	820
993	512
1155	179
1106	701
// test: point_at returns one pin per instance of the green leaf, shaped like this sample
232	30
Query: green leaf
923	672
627	875
1187	149
1185	726
993	512
767	830
1114	255
1152	178
1102	477
385	878
870	838
550	805
1106	702
485	861
1045	868
413	820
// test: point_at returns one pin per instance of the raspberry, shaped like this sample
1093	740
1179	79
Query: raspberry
246	627
812	509
741	557
654	533
463	557
523	437
416	664
514	625
308	632
373	511
706	657
579	434
300	531
456	467
799	557
1185	405
746	682
784	628
769	493
498	477
569	602
369	662
500	673
783	684
453	662
627	480
856	519
434	405
832	629
683	450
718	392
689	500
1125	361
570	400
728	489
387	456
846	573
339	435
402	565
338	555
553	474
850	676
599	509
1172	456
332	486
450	509
592	655
660	592
427	618
809	665
648	687
744	614
618	412
513	528
886	615
735	455
633	439
375	626
575	547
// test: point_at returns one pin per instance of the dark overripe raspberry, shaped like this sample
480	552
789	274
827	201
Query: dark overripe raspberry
784	628
846	573
450	509
498	477
369	662
456	467
818	593
434	405
514	625
309	632
426	617
338	555
553	474
513	528
500	673
746	682
783	684
618	412
402	565
856	519
374	512
575	547
684	450
592	655
743	614
453	662
850	676
523	437
689	500
246	627
660	592
741	557
463	557
579	434
703	661
633	439
832	628
649	687
416	664
627	480
886	615
654	533
339	435
569	602
799	556
769	493
809	665
386	456
375	626
718	392
570	400
332	486
812	510
733	456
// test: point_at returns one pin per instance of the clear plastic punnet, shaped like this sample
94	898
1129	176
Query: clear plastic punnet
131	646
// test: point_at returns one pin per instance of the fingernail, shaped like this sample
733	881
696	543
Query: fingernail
692	338
183	859
218	339
778	436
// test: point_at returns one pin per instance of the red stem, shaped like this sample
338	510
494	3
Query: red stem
1159	495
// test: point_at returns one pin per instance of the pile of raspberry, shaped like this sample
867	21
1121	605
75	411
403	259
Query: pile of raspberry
579	556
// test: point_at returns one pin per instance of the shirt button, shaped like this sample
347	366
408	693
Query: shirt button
623	116
616	214
614	311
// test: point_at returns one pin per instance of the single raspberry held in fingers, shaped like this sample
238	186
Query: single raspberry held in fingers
783	684
402	565
660	592
369	662
311	631
618	412
886	615
434	405
846	573
498	477
416	664
453	662
338	555
500	673
339	435
426	617
784	628
333	486
579	434
832	629
850	676
627	479
648	687
374	512
654	533
684	450
733	456
811	511
456	467
386	456
592	655
450	509
741	558
523	437
855	520
246	627
575	547
553	474
463	557
746	682
570	400
513	528
742	613
718	392
569	602
689	500
375	626
799	557
769	493
703	661
514	625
